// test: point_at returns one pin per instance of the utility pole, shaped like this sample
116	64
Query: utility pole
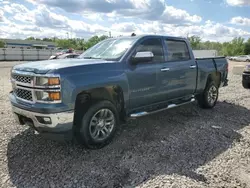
109	34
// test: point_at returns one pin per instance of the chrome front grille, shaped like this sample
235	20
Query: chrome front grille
25	88
23	94
22	78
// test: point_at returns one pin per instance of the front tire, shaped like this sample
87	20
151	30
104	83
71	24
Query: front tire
209	97
98	125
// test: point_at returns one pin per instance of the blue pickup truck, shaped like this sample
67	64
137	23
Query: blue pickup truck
86	99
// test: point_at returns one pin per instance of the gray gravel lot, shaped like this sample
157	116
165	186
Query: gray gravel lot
182	147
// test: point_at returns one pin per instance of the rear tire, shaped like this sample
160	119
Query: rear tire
98	125
209	97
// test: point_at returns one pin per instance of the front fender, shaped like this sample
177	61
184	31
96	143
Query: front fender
77	83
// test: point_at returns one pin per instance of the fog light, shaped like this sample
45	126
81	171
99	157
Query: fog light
47	119
43	120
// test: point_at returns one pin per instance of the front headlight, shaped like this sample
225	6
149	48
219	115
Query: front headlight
47	81
49	89
247	68
48	96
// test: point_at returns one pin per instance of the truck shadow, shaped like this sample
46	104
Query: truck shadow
177	141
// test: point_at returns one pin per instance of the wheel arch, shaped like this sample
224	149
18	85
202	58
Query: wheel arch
214	77
85	98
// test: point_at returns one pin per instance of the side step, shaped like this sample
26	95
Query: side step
140	114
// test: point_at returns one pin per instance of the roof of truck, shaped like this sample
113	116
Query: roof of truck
151	35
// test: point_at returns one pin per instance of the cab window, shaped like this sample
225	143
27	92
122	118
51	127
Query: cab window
177	50
153	45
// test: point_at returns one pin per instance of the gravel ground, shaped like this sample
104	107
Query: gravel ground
182	147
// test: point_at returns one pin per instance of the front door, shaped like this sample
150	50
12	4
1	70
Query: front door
177	75
142	76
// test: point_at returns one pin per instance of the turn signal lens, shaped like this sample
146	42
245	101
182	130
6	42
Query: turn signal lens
53	81
48	96
54	96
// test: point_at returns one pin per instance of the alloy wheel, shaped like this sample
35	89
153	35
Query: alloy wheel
101	124
212	94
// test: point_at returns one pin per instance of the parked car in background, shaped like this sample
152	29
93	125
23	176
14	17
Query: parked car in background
246	77
244	58
231	57
64	51
64	56
115	80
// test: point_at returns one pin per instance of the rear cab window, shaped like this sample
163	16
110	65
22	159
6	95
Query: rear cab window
177	50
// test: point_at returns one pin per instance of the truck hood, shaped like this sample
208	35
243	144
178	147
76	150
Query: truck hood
42	67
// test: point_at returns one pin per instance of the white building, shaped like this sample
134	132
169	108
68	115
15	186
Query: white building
28	44
205	53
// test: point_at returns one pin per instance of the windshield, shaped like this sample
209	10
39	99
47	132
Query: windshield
110	49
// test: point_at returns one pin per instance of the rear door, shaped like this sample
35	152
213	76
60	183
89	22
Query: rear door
142	76
177	75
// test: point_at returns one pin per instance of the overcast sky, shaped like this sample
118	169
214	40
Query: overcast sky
216	20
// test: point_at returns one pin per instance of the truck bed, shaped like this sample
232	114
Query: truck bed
219	63
209	65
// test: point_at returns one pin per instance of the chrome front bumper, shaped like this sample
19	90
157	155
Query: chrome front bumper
59	122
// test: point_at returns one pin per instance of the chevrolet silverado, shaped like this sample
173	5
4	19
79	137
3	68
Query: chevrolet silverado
87	98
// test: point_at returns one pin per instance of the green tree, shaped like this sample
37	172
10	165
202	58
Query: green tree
2	44
195	42
247	47
47	39
80	43
33	38
238	46
30	38
94	40
64	43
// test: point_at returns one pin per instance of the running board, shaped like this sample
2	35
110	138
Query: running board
140	114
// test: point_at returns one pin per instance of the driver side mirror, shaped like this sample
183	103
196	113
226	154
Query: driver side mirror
146	56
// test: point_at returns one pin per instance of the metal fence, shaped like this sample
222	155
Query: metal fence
12	54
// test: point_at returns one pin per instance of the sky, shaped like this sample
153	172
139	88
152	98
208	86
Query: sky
214	20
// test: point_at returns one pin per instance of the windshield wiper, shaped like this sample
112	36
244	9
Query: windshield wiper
91	58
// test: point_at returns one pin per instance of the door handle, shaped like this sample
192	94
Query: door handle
164	69
192	67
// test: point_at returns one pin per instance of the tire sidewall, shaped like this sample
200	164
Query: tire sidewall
84	134
206	93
